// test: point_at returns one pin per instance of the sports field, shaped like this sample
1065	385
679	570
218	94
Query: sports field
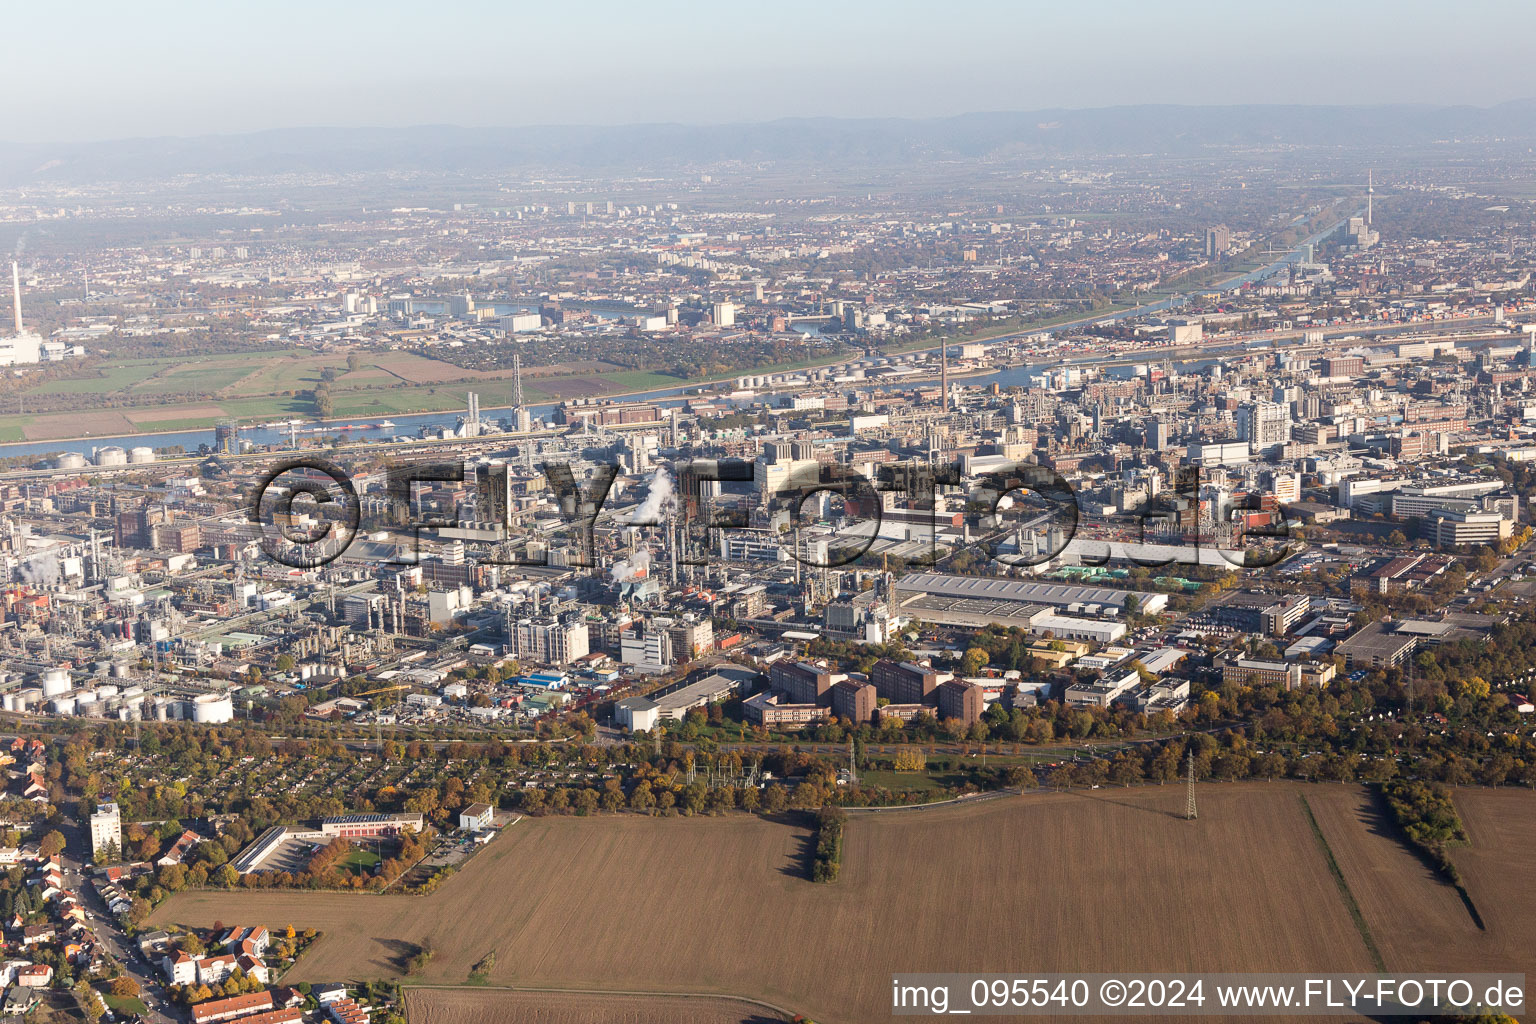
1112	879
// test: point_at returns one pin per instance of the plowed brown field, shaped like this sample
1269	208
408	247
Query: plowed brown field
1107	880
481	1006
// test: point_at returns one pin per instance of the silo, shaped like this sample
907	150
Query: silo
213	708
55	682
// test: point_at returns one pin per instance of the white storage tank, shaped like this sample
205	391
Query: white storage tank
62	705
103	692
55	682
120	670
111	455
10	702
85	696
90	708
140	455
70	460
130	692
213	708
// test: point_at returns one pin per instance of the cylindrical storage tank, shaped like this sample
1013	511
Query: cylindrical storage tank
103	692
90	708
111	455
120	670
140	455
70	460
62	705
10	702
213	709
55	682
133	691
160	711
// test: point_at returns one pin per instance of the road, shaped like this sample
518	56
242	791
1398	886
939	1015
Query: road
116	944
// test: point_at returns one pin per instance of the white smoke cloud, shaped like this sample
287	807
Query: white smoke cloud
660	500
42	568
634	566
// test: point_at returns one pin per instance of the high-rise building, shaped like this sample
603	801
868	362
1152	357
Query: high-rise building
648	647
960	700
1263	424
1217	241
106	831
802	683
548	641
903	682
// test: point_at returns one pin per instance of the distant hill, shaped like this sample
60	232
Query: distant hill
1167	130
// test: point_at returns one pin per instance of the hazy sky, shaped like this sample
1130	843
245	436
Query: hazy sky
90	70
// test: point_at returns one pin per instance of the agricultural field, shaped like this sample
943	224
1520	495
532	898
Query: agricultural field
1112	879
1410	913
267	385
480	1006
1501	822
1417	919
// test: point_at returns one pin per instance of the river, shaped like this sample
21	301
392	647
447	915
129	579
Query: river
410	425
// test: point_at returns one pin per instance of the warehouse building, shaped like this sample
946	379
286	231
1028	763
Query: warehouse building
718	685
973	600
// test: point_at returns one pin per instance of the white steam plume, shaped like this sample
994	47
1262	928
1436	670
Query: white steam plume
659	500
625	570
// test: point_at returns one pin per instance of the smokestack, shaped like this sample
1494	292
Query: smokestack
943	375
16	292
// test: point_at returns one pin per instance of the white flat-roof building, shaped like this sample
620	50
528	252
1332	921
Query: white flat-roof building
106	831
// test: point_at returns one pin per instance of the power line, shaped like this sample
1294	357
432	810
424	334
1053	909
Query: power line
1189	806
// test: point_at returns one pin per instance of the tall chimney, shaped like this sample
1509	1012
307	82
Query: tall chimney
943	370
16	292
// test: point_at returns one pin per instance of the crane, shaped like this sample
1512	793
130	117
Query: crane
383	690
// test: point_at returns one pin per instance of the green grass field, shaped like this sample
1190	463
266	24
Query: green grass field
195	378
111	379
125	1004
359	862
